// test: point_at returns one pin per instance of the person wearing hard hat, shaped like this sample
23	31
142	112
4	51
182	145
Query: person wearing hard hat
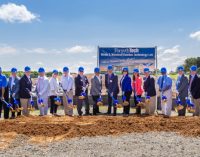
67	83
111	83
81	87
165	88
96	87
194	89
182	89
25	93
125	84
137	89
3	94
42	91
13	85
150	91
54	92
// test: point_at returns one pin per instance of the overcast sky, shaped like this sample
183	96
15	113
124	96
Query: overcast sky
57	33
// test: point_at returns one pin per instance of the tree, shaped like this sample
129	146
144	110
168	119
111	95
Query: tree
189	62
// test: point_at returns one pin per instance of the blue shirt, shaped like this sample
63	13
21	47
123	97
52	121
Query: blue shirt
3	81
166	84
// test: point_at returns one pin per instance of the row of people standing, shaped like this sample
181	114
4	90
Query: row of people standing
21	90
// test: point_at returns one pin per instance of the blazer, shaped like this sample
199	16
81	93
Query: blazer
195	87
25	87
79	84
111	83
182	86
15	87
96	85
137	86
42	87
149	86
125	83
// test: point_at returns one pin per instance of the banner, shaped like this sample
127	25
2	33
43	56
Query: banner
131	57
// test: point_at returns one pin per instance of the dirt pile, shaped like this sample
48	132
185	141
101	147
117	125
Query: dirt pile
69	127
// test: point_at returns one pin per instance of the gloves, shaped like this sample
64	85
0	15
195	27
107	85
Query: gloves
111	94
2	98
84	88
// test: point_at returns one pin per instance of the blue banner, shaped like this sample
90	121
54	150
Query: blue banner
126	57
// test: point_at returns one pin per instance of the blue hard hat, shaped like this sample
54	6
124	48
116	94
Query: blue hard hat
146	70
125	69
27	69
81	69
55	71
180	68
110	67
96	70
65	69
41	70
13	70
193	68
163	70
136	70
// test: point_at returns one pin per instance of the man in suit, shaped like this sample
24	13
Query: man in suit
165	87
182	89
4	95
13	85
81	86
25	84
96	87
194	88
67	83
42	91
111	83
150	90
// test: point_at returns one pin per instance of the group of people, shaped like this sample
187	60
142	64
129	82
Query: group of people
17	92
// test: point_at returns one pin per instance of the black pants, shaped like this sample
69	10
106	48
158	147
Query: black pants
127	108
111	104
14	107
80	105
183	111
54	107
138	108
95	107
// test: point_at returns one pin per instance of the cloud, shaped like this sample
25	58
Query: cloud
16	13
195	35
80	49
170	57
7	50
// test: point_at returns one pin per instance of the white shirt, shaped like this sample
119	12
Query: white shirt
54	86
67	82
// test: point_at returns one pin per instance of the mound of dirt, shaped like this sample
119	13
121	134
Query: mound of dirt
70	127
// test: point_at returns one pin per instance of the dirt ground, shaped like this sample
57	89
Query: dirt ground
47	129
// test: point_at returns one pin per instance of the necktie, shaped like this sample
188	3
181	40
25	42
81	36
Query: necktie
162	81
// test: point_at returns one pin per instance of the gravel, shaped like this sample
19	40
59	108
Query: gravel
135	144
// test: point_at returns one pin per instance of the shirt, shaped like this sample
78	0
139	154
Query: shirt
67	83
3	81
164	83
54	86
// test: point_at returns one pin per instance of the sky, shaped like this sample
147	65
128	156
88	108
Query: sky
57	33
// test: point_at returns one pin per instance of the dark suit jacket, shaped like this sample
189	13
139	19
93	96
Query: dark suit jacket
112	84
125	84
15	87
182	87
195	87
149	86
79	84
25	87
